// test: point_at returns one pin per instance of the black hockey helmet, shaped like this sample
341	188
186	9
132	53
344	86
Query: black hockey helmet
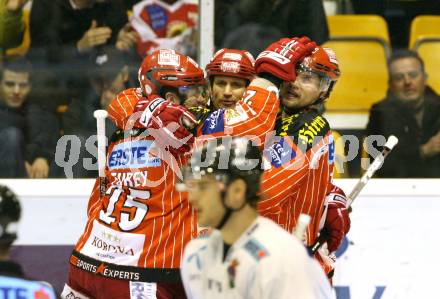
228	158
10	212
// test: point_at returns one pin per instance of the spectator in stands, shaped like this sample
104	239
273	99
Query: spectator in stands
28	132
77	26
411	112
269	18
65	32
107	78
11	24
166	24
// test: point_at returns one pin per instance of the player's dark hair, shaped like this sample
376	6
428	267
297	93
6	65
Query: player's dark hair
16	64
10	212
405	53
164	89
241	151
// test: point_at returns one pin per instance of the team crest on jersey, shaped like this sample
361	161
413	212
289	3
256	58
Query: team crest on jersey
281	153
132	154
236	115
214	123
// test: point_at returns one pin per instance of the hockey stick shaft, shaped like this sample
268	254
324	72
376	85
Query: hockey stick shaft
376	165
100	116
300	229
324	234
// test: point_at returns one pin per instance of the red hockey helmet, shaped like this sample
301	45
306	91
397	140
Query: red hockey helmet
167	67
323	62
232	62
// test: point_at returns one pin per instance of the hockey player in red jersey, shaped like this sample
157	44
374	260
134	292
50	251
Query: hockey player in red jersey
254	115
302	155
135	234
304	186
256	112
229	73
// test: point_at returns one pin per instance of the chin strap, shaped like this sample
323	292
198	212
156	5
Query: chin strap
228	211
225	218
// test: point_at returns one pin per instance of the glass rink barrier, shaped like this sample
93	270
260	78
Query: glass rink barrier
390	252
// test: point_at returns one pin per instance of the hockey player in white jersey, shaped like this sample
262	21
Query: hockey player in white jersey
246	255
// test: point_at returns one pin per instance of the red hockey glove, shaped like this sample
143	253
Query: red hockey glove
281	57
337	222
170	124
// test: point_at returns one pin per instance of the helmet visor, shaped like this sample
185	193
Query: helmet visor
308	76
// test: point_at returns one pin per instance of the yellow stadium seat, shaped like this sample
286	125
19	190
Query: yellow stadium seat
358	26
429	51
364	76
423	27
22	49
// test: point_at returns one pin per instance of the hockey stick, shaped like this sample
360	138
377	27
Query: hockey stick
100	116
377	164
300	229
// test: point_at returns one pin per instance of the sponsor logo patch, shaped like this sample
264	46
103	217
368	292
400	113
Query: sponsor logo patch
256	249
214	123
132	154
281	153
331	150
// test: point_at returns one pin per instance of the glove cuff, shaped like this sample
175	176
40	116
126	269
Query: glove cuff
273	79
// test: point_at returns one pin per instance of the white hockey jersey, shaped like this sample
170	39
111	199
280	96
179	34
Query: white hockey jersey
265	262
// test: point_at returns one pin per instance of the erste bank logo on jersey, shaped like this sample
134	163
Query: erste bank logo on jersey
132	154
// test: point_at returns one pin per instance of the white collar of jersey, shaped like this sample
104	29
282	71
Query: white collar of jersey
216	240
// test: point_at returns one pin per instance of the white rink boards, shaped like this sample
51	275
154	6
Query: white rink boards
392	250
391	253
